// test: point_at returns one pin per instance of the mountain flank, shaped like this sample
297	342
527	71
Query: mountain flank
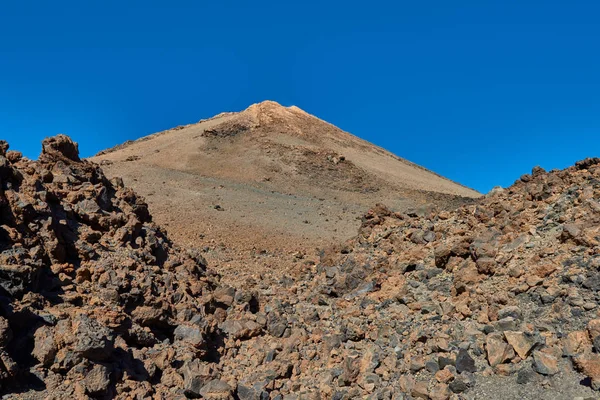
270	177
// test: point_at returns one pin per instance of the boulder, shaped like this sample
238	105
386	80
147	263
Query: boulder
97	381
544	363
60	147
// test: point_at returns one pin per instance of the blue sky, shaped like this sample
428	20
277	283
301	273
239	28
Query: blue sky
479	91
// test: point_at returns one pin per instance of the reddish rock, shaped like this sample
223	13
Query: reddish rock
520	342
45	348
589	365
486	265
60	146
440	391
544	363
417	303
444	375
498	351
420	391
576	342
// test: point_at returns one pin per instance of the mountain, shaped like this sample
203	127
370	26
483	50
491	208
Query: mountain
269	177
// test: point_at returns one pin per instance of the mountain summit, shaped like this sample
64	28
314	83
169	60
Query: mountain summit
272	169
286	144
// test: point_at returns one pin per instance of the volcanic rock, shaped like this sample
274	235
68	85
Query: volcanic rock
90	286
98	302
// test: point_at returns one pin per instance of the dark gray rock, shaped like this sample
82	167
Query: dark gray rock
97	381
464	362
443	362
524	376
94	340
216	388
247	393
509	311
276	324
195	375
191	334
458	386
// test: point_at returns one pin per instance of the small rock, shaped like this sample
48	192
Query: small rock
195	375
589	364
510	311
486	265
444	375
94	341
593	328
498	351
464	362
241	329
45	348
60	146
520	342
247	393
3	147
420	390
224	295
576	343
5	331
191	334
216	390
458	386
440	391
524	376
544	363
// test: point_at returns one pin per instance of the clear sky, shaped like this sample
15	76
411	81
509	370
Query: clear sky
479	91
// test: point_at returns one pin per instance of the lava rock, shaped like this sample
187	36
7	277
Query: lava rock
464	362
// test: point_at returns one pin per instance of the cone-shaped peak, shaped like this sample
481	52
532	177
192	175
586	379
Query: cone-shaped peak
268	103
268	110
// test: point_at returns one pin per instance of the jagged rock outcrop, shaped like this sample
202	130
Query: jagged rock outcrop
94	298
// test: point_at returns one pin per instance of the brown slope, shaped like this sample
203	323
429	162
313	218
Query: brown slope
280	174
274	133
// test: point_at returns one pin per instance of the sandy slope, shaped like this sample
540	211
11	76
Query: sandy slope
269	178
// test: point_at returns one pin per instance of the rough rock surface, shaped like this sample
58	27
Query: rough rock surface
96	302
507	286
94	299
443	305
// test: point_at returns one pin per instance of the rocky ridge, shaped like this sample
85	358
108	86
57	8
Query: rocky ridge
96	302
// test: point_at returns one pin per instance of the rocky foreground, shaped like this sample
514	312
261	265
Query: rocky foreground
96	302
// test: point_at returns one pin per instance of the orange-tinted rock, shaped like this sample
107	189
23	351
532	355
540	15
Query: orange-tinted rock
498	351
440	391
576	342
520	342
589	365
444	375
420	391
545	363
